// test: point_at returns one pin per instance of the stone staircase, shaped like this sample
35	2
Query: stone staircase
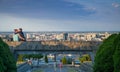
23	67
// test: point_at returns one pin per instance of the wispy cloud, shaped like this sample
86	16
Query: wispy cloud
85	5
116	5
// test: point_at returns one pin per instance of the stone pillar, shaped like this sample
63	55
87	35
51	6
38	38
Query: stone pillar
73	63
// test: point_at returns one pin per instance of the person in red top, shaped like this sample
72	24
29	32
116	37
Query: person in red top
60	65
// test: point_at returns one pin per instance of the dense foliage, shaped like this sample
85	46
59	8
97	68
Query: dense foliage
69	60
21	57
116	56
107	58
85	57
34	56
7	61
64	60
46	59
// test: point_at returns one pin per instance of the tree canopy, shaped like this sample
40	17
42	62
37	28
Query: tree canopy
64	60
85	57
46	59
7	61
107	58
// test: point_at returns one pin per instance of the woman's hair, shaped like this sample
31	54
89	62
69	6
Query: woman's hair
15	31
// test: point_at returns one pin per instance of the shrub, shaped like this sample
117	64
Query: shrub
64	60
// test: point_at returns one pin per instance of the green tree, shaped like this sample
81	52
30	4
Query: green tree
116	56
37	56
69	61
81	59
46	59
104	56
7	61
1	65
26	56
20	57
85	57
64	60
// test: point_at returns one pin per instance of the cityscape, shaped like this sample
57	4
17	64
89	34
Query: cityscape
60	36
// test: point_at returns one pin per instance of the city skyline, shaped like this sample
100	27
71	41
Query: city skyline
60	15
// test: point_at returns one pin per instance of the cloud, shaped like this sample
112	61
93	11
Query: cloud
85	5
90	9
116	5
9	22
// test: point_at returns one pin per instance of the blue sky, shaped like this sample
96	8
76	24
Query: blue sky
60	15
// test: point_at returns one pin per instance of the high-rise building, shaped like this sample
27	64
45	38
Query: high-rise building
65	36
28	36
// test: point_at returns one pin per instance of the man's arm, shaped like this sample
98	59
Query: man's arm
21	37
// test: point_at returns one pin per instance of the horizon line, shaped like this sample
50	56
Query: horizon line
63	31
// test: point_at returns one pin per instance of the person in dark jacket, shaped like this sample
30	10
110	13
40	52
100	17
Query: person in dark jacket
22	35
